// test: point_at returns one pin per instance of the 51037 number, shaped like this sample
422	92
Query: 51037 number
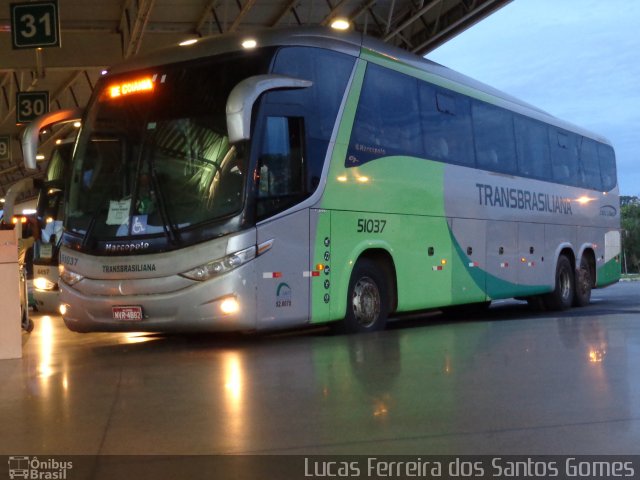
369	225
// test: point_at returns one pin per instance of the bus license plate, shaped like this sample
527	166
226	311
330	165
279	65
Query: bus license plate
130	313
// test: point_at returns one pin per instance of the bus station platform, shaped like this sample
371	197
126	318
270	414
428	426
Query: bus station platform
508	382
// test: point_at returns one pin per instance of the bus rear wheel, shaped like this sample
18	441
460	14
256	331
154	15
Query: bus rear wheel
583	284
368	299
562	296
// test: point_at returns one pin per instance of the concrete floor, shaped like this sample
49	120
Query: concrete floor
510	382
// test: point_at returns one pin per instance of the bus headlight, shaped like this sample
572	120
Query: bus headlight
42	283
69	277
221	265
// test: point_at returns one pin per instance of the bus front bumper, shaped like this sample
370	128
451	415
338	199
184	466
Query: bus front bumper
47	301
202	307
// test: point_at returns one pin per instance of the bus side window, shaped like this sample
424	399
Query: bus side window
532	142
281	166
564	157
607	167
387	122
494	138
590	167
446	123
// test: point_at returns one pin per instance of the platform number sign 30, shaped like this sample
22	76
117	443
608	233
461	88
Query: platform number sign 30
35	24
30	105
5	147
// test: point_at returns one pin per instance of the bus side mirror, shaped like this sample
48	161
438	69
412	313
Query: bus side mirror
243	97
32	132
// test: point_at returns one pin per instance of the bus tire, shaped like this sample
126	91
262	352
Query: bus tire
562	295
582	295
367	299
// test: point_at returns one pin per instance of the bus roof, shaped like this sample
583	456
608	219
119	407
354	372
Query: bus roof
350	43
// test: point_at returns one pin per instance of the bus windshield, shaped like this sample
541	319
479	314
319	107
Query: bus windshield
153	157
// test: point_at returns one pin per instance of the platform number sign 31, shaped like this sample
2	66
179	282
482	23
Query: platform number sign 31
35	24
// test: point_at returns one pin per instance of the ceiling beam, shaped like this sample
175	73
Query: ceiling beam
479	10
243	12
284	12
412	19
138	28
206	15
332	13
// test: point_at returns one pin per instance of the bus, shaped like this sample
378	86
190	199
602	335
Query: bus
305	177
49	214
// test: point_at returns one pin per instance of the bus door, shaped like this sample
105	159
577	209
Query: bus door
283	231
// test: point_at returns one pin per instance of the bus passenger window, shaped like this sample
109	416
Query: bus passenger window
494	138
607	167
446	125
281	165
590	166
387	122
532	142
564	157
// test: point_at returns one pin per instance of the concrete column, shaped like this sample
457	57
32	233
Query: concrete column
10	329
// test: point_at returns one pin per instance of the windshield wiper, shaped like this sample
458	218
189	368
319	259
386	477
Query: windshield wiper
167	225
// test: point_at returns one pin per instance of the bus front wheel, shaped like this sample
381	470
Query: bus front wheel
562	296
368	299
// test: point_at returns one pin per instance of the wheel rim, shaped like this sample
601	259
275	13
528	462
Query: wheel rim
366	302
565	285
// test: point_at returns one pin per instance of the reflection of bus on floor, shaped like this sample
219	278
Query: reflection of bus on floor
323	177
49	211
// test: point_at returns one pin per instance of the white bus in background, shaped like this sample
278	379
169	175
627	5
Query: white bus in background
49	213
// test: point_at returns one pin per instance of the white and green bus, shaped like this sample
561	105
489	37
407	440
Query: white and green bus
301	177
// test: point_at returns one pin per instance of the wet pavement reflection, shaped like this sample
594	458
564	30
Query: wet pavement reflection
508	382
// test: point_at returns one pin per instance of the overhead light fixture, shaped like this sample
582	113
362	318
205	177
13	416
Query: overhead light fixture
341	24
191	41
249	43
77	124
40	156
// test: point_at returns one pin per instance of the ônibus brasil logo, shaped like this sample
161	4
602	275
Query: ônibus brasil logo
32	468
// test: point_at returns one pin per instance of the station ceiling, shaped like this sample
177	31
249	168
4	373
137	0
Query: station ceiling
98	33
